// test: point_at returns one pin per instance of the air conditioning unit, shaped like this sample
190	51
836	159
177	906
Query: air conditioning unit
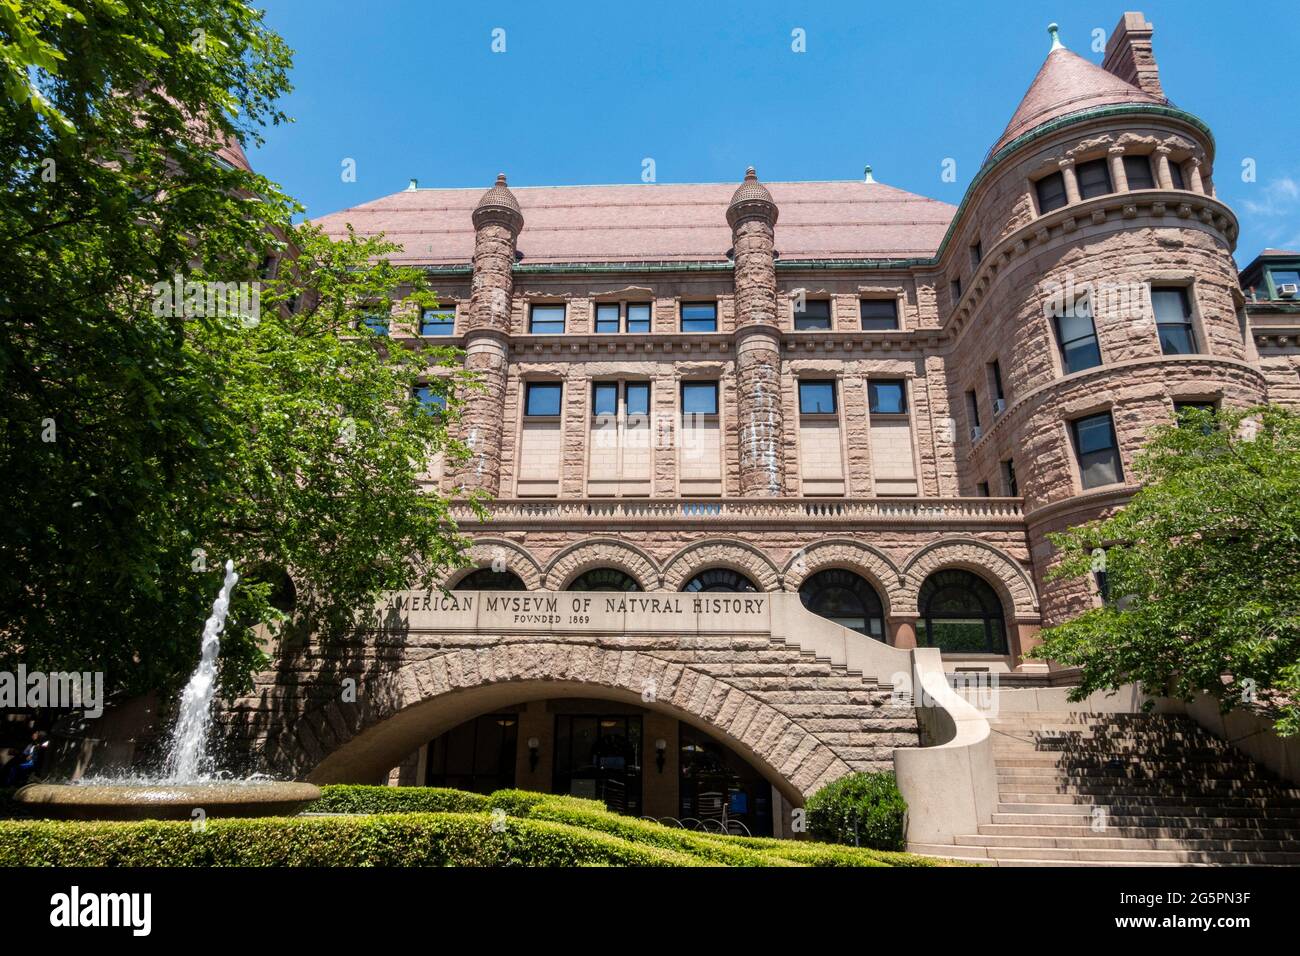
1288	290
999	406
975	433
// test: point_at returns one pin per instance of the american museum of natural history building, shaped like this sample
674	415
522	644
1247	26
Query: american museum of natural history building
767	457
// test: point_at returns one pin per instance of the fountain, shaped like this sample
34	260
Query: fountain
190	785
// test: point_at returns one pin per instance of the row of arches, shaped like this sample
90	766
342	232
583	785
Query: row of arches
958	610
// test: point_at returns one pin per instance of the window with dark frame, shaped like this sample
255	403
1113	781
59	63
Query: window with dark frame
817	397
374	322
976	254
699	316
699	398
1009	479
1097	451
878	315
995	370
439	321
607	318
1176	174
1185	413
1173	311
983	489
1051	192
816	314
973	409
887	397
1077	337
954	287
546	319
1094	178
430	400
606	396
1138	172
542	399
638	317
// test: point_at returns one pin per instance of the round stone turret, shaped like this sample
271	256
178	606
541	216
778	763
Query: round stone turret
751	200
499	205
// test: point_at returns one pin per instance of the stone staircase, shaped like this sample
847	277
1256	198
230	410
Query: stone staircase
1082	789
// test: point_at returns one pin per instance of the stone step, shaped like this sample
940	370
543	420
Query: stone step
1120	787
1118	841
1245	827
1153	803
1041	766
1177	838
979	856
1183	857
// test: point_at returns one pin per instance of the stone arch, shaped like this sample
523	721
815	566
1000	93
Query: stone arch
863	559
720	553
400	710
1004	573
597	553
485	551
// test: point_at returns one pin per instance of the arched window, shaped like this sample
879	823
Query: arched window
847	599
719	579
960	612
485	579
604	579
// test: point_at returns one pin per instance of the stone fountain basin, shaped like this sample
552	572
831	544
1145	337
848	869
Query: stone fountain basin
165	801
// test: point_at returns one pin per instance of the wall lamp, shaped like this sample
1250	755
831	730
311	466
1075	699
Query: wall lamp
534	748
661	746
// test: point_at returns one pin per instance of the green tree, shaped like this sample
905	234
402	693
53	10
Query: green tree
1202	569
139	443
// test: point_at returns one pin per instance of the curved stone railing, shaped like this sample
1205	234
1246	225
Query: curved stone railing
949	783
602	511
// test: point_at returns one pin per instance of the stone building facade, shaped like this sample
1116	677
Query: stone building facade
855	403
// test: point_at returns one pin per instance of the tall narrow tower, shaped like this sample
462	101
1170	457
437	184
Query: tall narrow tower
752	217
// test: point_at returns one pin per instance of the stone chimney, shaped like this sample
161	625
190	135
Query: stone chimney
497	223
752	217
1129	54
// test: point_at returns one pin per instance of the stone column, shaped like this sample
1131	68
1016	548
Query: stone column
1118	176
1163	179
902	631
1071	180
1194	181
752	216
497	222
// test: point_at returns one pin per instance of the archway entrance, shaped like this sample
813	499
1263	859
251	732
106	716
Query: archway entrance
636	761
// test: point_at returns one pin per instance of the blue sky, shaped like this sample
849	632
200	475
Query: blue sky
584	93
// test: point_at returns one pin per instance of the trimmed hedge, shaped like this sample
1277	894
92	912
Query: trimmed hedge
862	809
350	798
399	839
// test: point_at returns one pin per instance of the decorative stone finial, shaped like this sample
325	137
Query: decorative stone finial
500	202
413	185
751	198
866	175
1055	33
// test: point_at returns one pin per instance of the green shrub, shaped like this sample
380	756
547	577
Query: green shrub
355	798
406	839
862	809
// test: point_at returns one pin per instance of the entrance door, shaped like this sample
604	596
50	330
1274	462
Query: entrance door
599	757
719	789
479	755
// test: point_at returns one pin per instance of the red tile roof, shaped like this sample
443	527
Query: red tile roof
657	222
1067	83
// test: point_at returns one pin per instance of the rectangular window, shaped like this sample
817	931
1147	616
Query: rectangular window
1097	451
887	397
817	397
604	398
983	489
1137	170
1051	193
1186	412
954	287
816	314
607	318
995	373
976	254
542	399
1176	174
1094	178
429	399
973	411
699	317
375	322
637	398
1173	320
638	317
1283	277
700	398
439	321
1009	478
879	315
1077	337
546	320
